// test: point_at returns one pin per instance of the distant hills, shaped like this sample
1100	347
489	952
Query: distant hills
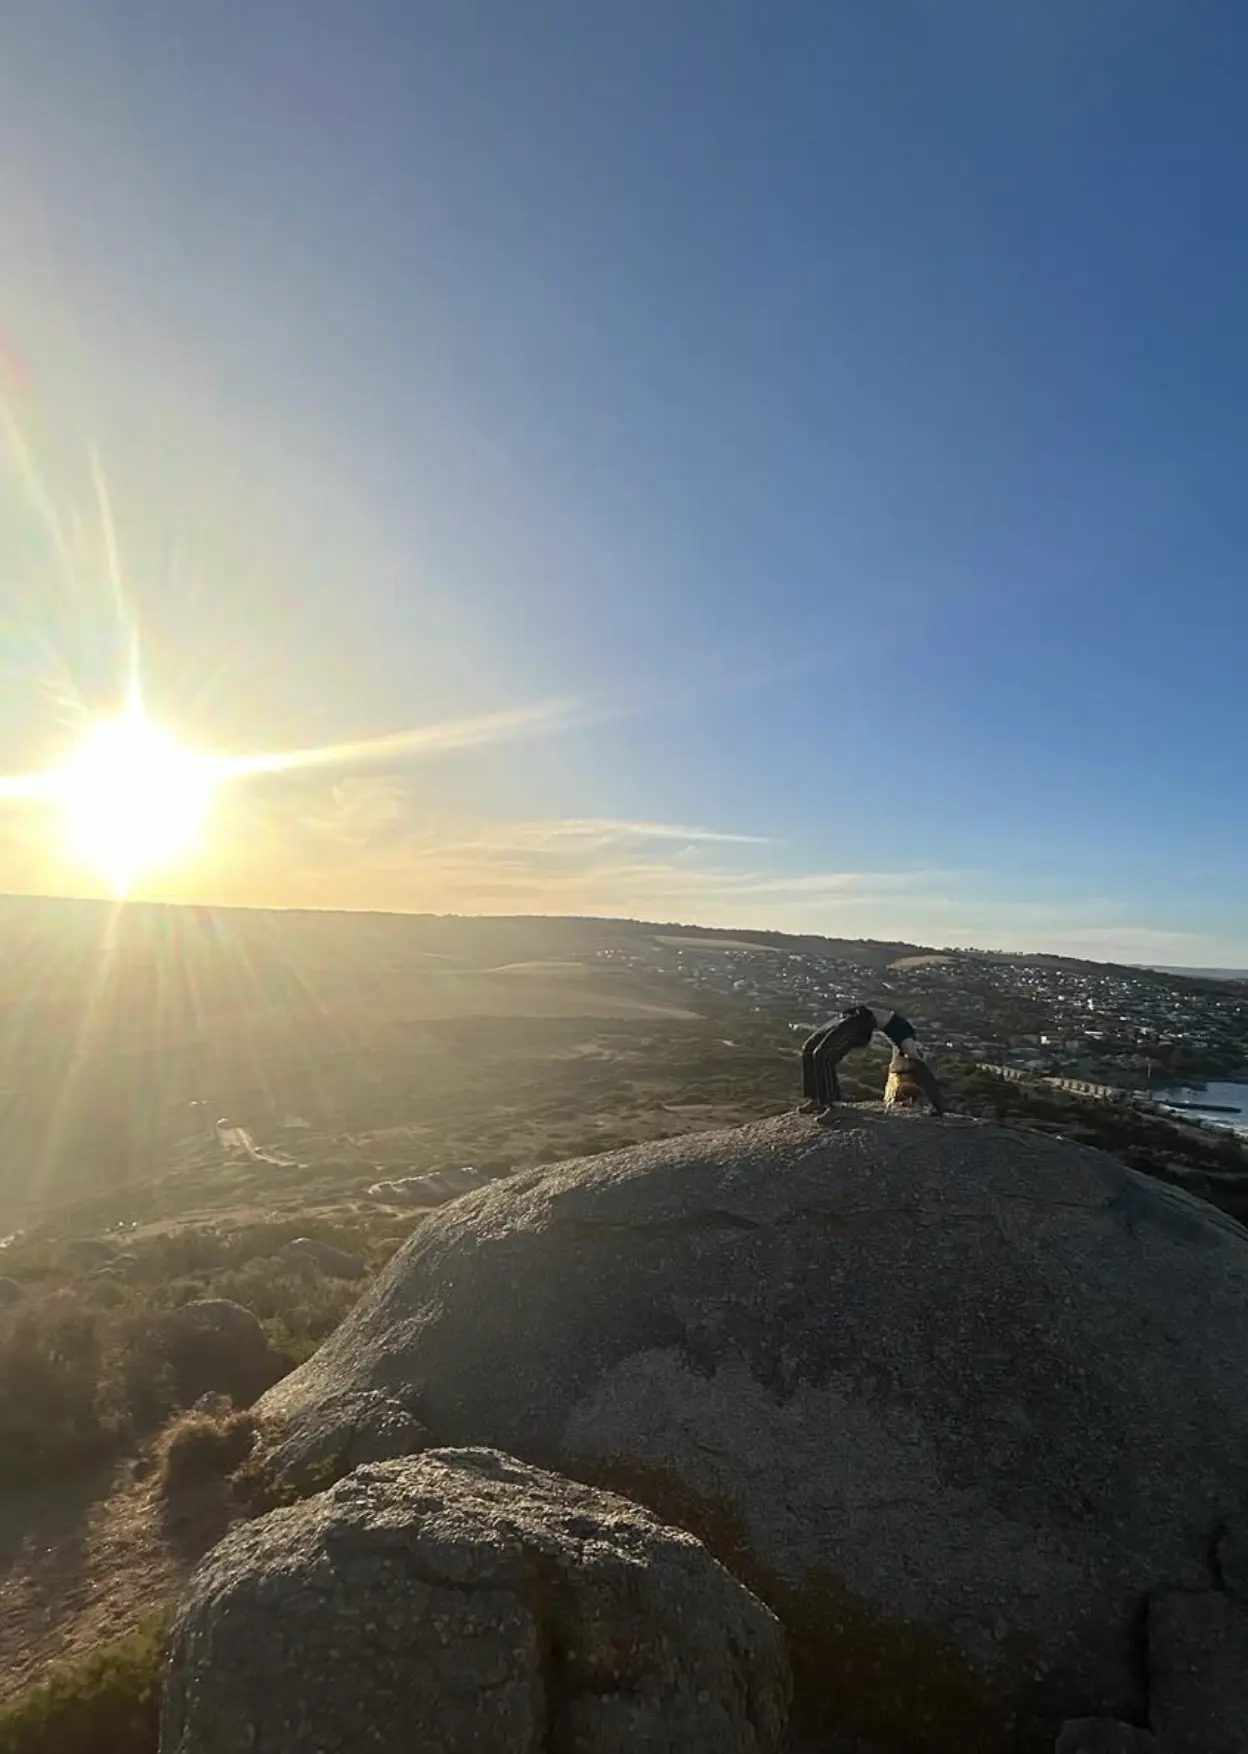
1206	974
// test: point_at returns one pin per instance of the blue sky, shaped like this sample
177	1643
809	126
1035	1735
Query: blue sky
826	416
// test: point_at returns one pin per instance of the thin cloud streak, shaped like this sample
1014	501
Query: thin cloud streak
601	867
424	740
582	833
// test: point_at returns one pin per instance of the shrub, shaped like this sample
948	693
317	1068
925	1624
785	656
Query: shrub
92	1364
298	1308
50	1414
105	1703
200	1446
170	1358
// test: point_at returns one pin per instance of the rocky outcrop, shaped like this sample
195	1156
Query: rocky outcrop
341	1433
434	1188
954	1400
464	1602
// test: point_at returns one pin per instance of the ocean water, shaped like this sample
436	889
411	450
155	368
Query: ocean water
1232	1095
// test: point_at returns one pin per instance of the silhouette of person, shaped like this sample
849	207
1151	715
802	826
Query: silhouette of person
823	1051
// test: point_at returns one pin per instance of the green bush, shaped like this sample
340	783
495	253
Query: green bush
104	1703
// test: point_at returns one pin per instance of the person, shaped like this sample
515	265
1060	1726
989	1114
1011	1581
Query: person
825	1048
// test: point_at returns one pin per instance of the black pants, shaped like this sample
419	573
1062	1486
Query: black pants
823	1051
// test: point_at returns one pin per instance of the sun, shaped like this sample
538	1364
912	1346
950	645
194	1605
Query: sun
133	800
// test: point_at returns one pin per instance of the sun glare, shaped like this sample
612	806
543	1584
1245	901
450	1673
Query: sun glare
133	800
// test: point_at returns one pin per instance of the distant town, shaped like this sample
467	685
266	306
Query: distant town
1135	1029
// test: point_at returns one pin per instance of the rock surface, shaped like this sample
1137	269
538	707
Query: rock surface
463	1602
1198	1673
1103	1735
432	1189
1232	1556
341	1433
954	1399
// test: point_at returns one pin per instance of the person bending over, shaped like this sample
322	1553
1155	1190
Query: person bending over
910	1078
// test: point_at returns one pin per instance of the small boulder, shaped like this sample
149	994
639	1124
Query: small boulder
10	1293
345	1432
214	1344
463	1601
1198	1672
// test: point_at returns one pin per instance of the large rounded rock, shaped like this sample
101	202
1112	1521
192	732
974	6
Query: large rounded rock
464	1602
214	1345
955	1400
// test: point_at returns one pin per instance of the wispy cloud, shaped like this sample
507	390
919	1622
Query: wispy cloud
385	840
591	831
420	741
847	885
366	843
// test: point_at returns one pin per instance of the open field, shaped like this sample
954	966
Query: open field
125	1037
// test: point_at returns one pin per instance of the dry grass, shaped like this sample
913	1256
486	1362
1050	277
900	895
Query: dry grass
86	1561
200	1446
91	1365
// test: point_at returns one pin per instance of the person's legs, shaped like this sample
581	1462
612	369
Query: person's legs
853	1030
810	1083
828	1082
808	1090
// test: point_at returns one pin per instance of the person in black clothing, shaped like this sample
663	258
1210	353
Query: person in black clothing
823	1051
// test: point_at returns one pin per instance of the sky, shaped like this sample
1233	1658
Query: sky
767	463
